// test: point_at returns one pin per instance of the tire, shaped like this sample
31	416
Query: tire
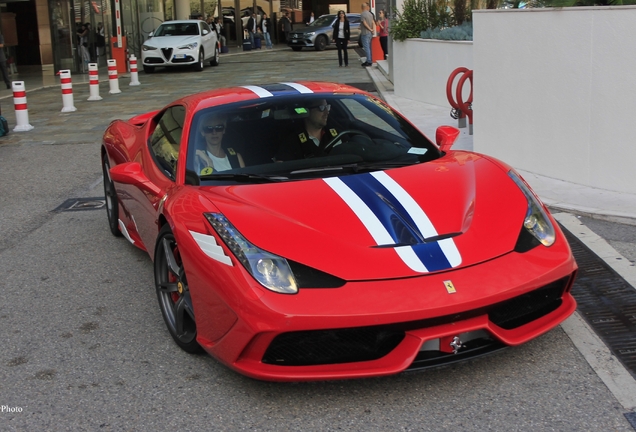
321	43
198	66
296	48
149	69
215	60
112	203
173	294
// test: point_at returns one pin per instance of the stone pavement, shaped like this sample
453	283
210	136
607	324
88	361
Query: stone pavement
281	64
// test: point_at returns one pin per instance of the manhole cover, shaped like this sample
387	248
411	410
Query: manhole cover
80	204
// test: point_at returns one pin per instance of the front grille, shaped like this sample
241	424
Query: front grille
528	307
307	348
471	349
167	53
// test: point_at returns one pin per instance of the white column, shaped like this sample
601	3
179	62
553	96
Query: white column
182	9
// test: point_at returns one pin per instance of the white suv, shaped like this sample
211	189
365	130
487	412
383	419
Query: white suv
178	43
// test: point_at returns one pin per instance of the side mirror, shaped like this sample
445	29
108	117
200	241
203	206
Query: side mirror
150	34
130	173
205	32
445	137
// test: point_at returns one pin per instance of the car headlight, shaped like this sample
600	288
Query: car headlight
310	34
190	46
147	48
271	271
536	221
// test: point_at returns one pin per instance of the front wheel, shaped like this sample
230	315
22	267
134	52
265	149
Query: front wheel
215	60
321	43
112	203
198	66
296	48
173	293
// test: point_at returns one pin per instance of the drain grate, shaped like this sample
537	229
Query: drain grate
81	204
606	301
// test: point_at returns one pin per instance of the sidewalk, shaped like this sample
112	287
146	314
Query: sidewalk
557	194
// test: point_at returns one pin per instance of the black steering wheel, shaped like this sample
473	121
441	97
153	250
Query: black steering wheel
335	139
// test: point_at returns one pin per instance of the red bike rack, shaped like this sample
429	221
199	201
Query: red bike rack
461	109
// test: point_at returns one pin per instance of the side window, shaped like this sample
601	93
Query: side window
354	20
166	139
363	114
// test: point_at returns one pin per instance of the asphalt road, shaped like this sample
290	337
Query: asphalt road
84	346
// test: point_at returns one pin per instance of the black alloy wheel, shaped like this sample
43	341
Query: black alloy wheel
198	66
112	203
173	293
321	43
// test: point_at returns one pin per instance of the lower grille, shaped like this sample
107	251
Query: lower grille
153	60
528	307
318	347
187	59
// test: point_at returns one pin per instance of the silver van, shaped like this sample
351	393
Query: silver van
319	33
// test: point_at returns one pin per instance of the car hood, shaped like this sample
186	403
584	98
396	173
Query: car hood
454	212
171	41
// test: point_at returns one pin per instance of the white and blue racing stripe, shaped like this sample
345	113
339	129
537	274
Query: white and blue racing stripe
278	89
393	217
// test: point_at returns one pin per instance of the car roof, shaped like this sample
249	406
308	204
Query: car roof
182	21
254	92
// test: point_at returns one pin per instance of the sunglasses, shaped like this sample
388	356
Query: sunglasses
218	128
322	108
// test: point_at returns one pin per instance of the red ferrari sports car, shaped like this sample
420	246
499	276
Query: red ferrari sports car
307	231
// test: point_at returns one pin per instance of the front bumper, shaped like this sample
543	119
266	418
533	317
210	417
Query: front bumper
169	57
411	322
300	41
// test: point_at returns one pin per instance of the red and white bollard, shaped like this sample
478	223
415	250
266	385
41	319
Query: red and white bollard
112	77
93	82
20	105
67	91
134	75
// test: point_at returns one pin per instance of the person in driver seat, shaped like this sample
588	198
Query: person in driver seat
310	139
214	157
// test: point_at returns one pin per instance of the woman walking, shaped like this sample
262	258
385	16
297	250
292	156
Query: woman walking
341	36
383	22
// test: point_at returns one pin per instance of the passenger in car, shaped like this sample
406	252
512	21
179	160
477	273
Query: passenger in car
311	137
214	157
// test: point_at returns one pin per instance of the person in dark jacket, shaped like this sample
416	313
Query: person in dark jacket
341	36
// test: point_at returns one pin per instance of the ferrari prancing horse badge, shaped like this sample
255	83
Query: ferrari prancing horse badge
450	288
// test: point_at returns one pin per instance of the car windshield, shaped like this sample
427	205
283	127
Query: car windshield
288	138
177	29
323	21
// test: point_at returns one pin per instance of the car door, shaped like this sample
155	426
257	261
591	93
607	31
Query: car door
207	39
354	27
160	167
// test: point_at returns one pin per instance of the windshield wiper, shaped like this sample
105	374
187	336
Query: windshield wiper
244	177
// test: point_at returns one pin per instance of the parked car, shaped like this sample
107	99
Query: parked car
319	33
374	252
179	43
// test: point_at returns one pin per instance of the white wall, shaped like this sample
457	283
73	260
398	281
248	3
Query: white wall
421	68
555	92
